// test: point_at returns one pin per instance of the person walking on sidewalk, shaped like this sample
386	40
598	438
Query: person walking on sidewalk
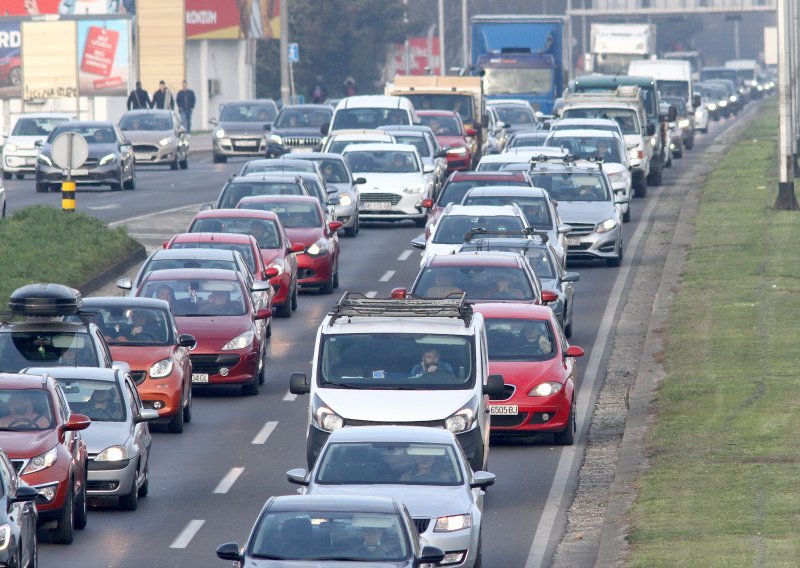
186	101
138	98
163	98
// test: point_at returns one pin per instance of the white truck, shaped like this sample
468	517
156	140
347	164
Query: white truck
614	46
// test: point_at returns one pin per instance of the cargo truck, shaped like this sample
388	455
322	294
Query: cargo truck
614	46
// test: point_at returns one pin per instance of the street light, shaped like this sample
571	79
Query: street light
786	200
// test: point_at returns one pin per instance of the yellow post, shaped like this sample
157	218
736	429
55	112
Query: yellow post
68	196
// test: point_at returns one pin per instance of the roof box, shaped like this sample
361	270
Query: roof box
45	300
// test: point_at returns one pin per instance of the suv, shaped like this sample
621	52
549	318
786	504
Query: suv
400	361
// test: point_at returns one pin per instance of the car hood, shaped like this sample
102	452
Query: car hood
526	374
452	141
212	332
394	406
96	151
265	563
307	236
422	500
26	142
303	131
245	128
585	211
149	136
100	435
379	182
27	444
140	356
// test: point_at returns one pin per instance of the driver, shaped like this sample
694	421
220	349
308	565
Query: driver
504	291
431	363
371	546
102	402
21	413
423	470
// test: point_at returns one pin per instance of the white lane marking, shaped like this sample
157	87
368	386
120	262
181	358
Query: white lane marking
103	207
187	534
264	433
387	276
371	294
405	254
154	213
547	520
289	397
227	482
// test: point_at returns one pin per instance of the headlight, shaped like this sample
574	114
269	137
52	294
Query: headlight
606	225
240	342
41	462
5	536
275	139
698	114
460	150
277	264
345	200
545	389
47	492
733	98
164	141
113	454
107	159
453	523
684	123
318	248
45	160
636	154
161	369
464	419
327	419
723	104
11	148
219	133
712	106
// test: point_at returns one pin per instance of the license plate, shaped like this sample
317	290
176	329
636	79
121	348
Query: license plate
376	205
140	156
30	161
199	377
81	172
247	143
573	242
304	150
504	409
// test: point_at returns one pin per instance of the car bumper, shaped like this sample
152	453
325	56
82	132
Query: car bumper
110	479
595	245
162	395
346	214
534	414
281	285
156	156
233	147
19	161
463	542
314	271
402	206
108	174
225	367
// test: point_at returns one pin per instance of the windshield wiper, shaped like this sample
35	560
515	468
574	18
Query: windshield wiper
340	385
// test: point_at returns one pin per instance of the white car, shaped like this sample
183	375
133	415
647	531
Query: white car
19	151
396	181
497	162
338	141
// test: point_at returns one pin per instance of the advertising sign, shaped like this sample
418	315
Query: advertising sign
66	7
48	65
162	47
423	54
10	60
103	57
232	19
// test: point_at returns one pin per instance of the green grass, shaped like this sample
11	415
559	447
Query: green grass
723	487
43	244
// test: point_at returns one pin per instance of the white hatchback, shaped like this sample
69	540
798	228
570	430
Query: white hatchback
19	150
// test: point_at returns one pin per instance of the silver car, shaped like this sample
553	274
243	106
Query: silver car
240	129
118	440
423	467
158	138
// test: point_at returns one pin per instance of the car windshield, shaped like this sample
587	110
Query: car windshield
99	400
245	250
368	118
20	349
529	140
538	258
588	147
255	167
292	215
382	463
626	118
255	112
265	231
517	339
293	117
535	208
515	115
93	134
346	536
334	171
388	162
452	228
442	125
564	186
678	89
36	126
234	192
125	325
479	282
454	191
170	263
417	141
198	298
408	361
337	146
462	104
149	122
25	409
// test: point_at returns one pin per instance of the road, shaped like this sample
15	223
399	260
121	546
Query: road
208	484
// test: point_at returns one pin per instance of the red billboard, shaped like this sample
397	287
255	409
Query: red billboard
65	7
232	19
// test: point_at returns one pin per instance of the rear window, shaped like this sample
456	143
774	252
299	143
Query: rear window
245	250
479	282
265	231
198	298
20	349
368	118
234	192
454	191
292	215
573	187
535	209
452	228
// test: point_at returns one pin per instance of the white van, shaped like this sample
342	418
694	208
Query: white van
372	111
673	77
411	362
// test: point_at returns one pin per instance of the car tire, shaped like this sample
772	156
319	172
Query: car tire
187	410
420	222
269	329
285	309
42	187
294	298
116	187
351	232
145	487
262	372
251	389
626	217
640	190
219	159
35	554
131	183
616	261
7	175
64	533
20	176
328	287
567	436
184	164
130	502
655	178
82	506
175	425
174	165
336	277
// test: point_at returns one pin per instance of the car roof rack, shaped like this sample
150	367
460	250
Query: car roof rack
470	235
355	304
490	244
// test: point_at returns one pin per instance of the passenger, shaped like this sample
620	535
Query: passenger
166	293
431	363
103	405
21	413
537	340
444	285
371	546
423	470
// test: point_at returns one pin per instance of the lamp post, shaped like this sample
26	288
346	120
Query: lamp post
786	200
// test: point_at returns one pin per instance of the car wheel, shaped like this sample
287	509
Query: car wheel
131	183
81	506
655	177
567	436
219	159
42	187
116	187
626	217
145	487
176	423
15	76
420	222
64	533
7	175
130	502
284	310
251	389
187	410
351	232
175	164
327	288
617	260
640	190
34	550
294	298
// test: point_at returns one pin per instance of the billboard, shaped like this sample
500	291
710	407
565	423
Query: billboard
422	56
10	60
232	19
162	49
66	7
103	57
49	66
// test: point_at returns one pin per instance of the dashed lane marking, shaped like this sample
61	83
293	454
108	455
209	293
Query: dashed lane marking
264	433
187	534
227	482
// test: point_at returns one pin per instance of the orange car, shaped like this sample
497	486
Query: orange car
142	332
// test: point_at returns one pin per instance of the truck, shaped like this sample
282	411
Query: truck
614	46
673	78
522	57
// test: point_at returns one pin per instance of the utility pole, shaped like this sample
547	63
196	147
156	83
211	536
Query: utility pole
464	35
284	55
786	200
442	57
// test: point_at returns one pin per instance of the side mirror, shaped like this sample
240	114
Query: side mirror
651	129
187	340
470	131
165	245
325	128
146	415
563	229
575	351
503	125
271	272
549	296
398	293
482	479
619	197
77	422
418	243
124	283
297	476
298	384
429	555
333	200
25	494
297	247
230	551
428	169
213	121
696	101
259	286
263	313
334	226
495	385
359	181
427	203
121	366
267	126
570	277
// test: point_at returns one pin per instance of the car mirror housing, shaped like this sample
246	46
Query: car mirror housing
263	313
77	422
124	283
495	385
298	476
297	247
575	351
271	272
230	551
298	384
186	340
482	479
146	415
571	277
429	555
25	494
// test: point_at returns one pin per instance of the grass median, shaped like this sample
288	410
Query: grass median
43	244
721	489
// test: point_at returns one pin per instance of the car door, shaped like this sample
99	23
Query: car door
181	357
140	430
19	514
73	441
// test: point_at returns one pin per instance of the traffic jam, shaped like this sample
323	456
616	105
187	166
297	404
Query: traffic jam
517	188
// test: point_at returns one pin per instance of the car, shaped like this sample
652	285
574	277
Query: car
315	182
214	307
528	348
41	436
396	181
18	518
19	150
11	67
509	159
158	138
515	114
684	124
261	184
309	531
297	129
461	142
336	142
587	204
430	151
246	245
240	128
305	223
496	137
143	332
278	253
526	138
118	439
279	165
594	123
423	467
371	111
110	160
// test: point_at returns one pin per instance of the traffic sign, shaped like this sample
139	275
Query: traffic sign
70	151
294	52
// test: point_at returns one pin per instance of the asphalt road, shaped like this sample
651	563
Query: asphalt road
209	483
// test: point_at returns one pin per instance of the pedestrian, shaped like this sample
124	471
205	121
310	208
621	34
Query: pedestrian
350	87
320	93
163	98
138	98
186	101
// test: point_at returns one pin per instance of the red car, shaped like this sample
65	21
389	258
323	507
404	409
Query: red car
215	307
246	245
42	438
459	183
528	348
277	251
141	332
304	221
11	68
450	132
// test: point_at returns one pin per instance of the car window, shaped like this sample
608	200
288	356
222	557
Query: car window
334	171
573	187
25	409
36	126
451	229
292	215
203	298
442	125
146	122
102	401
265	231
479	283
100	134
245	250
535	209
20	349
388	162
134	403
517	339
234	192
126	325
293	117
454	191
368	118
251	112
104	352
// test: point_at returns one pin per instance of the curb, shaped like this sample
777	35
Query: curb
115	270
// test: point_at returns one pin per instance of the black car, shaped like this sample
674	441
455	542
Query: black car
240	128
238	188
18	518
297	128
110	161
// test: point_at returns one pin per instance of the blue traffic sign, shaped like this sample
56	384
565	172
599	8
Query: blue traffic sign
294	52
